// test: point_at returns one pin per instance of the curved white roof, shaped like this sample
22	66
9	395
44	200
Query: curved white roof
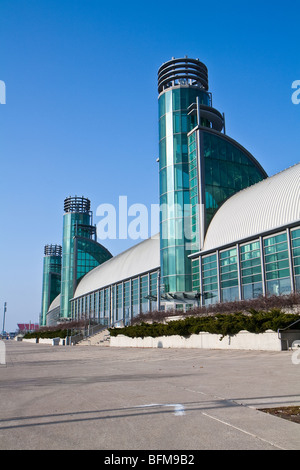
271	203
55	303
143	257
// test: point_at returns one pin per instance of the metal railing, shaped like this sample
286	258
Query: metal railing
289	339
90	331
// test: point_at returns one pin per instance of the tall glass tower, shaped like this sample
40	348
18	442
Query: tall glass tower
51	278
80	250
199	167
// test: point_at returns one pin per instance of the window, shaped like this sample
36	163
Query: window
107	304
101	304
144	294
295	237
277	265
251	275
196	275
119	302
153	291
135	297
229	275
210	280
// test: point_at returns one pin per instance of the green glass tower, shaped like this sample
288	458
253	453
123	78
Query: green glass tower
80	250
199	167
51	278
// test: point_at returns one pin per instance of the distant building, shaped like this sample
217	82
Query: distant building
28	327
65	265
51	278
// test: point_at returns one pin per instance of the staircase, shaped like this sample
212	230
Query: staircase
98	339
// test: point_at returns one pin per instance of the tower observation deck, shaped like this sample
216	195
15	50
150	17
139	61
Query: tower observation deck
184	71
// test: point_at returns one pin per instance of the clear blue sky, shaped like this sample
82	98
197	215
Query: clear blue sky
81	108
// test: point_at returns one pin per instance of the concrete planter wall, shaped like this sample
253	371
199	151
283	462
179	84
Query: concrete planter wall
52	341
267	341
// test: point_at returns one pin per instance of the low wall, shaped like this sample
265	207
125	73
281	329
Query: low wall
52	341
267	341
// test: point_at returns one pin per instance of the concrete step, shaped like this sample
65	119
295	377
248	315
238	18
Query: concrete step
98	339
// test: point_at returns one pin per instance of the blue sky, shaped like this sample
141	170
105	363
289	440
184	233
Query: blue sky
81	108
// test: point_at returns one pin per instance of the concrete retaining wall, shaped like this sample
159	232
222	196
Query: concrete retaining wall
267	341
52	341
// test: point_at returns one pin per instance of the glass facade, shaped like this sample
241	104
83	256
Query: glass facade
268	265
70	221
194	192
174	125
227	170
295	237
51	278
89	255
118	302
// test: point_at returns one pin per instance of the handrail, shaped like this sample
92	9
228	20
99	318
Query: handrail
91	331
287	327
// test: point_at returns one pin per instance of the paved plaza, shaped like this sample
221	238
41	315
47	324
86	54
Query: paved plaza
104	398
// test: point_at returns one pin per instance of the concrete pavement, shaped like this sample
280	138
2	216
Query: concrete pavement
64	397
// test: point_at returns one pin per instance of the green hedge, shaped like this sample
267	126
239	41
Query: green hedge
47	334
224	325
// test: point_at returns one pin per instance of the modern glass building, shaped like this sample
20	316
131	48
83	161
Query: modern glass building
227	230
79	254
199	167
51	278
80	251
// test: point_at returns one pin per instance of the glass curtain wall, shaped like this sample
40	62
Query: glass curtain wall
174	126
116	302
194	192
295	237
227	170
269	265
51	278
89	255
71	219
